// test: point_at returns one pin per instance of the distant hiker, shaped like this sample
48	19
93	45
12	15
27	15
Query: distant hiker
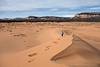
62	33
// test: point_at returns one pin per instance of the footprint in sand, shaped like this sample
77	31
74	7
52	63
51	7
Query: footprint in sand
24	41
47	48
31	60
55	42
58	38
19	35
33	54
41	28
37	31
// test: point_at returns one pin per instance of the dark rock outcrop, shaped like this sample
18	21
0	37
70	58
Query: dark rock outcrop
38	19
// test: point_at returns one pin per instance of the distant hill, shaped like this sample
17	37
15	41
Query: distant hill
88	17
38	19
81	17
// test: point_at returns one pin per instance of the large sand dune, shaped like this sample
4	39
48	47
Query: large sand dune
42	45
79	53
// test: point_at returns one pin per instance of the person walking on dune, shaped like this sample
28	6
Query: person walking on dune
62	33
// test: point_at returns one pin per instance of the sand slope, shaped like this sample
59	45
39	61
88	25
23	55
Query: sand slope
41	45
40	55
79	54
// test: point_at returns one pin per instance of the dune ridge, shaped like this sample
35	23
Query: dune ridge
43	45
40	55
79	54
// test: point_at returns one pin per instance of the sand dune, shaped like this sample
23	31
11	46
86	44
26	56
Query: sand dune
40	55
42	45
79	53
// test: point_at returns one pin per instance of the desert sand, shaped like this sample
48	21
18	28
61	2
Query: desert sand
43	45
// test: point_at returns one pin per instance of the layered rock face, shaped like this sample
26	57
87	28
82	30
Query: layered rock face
88	17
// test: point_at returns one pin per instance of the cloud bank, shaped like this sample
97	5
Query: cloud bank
12	8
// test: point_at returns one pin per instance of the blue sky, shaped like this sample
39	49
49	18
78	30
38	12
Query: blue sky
65	8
